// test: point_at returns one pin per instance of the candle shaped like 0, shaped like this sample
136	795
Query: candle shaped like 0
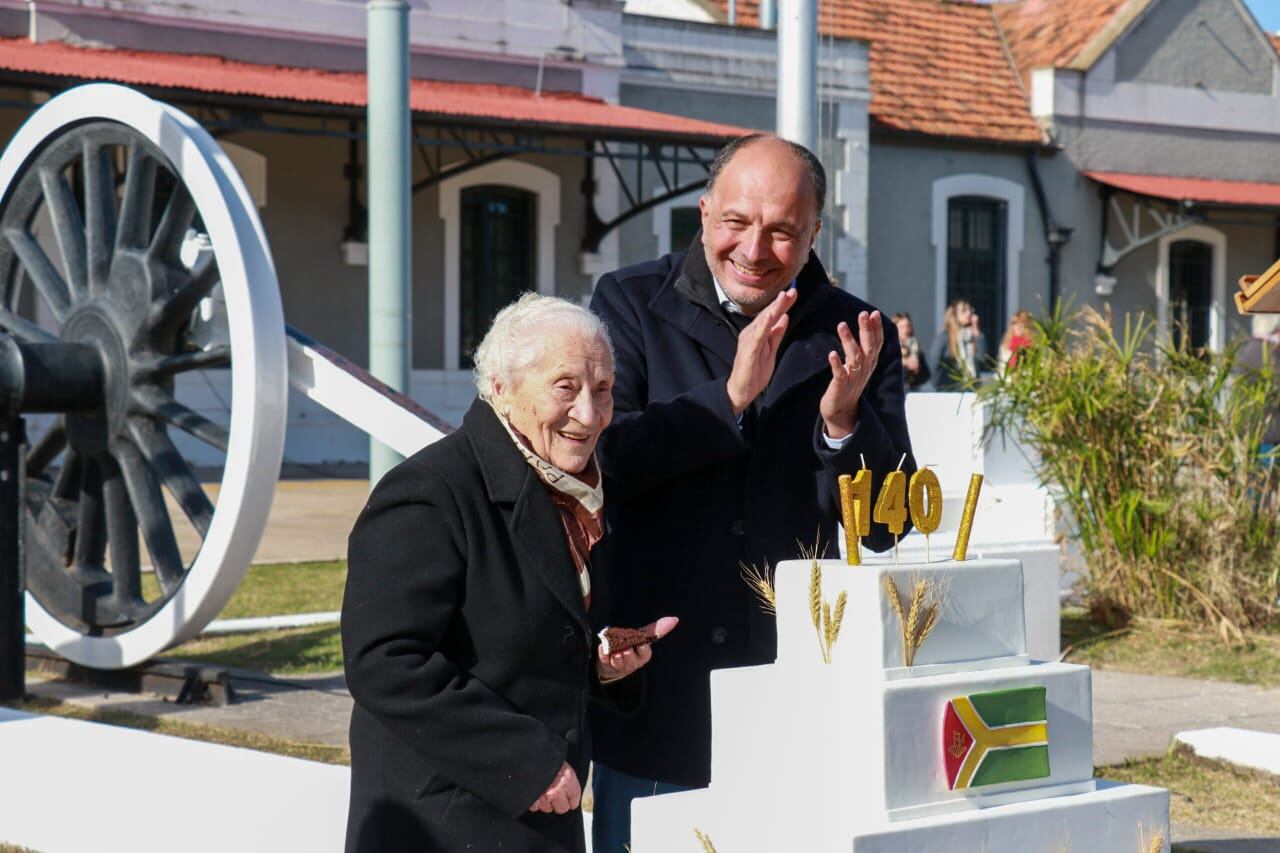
924	497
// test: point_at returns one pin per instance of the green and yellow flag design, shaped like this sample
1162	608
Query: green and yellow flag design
1001	736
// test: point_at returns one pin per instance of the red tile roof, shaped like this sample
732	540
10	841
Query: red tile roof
481	101
1208	191
1061	33
938	67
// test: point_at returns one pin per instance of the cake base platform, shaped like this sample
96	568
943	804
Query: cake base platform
1116	818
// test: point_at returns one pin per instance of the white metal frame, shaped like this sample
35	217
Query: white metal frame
258	369
1217	307
544	184
987	186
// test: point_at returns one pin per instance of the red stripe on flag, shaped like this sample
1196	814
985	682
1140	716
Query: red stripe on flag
956	743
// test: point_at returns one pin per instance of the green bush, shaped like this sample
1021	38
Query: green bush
1153	454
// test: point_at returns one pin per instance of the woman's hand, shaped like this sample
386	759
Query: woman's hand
621	664
564	794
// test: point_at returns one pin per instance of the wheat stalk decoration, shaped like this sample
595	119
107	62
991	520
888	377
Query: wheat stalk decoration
826	619
707	846
919	618
761	583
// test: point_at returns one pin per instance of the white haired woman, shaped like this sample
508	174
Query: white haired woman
464	624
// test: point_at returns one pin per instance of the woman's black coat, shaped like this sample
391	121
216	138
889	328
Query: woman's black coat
468	653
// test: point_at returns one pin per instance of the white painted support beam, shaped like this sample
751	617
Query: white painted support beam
353	394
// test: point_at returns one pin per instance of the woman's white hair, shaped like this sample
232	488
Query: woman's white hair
521	333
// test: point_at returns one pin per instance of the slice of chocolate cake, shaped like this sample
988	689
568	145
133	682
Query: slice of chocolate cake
621	639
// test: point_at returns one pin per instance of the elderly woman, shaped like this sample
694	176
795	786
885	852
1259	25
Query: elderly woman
464	624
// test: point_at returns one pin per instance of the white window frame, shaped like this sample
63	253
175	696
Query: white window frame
662	217
545	185
986	186
1217	317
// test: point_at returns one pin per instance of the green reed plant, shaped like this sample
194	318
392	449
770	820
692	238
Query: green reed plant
1153	453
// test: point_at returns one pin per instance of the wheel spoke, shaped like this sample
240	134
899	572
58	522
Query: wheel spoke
46	450
91	529
100	211
68	481
135	206
43	274
122	535
177	475
153	401
219	356
67	225
177	218
148	503
23	329
178	306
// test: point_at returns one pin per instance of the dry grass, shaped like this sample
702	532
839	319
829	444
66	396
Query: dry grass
1154	454
1163	647
1205	793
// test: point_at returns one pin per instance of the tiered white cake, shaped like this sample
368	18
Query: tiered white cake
974	747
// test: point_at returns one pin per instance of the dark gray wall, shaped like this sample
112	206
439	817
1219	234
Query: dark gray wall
901	255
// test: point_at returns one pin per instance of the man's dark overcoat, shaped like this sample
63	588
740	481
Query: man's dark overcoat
467	652
694	492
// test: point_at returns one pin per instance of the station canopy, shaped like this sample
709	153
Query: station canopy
654	156
1196	191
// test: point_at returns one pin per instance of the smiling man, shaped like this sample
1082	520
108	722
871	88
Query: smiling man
745	385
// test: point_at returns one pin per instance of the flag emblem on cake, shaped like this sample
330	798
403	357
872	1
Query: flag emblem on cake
1001	736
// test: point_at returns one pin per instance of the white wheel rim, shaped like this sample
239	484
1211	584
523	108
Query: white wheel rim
259	376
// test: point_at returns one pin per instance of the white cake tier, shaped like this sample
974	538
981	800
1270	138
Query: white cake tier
1112	819
872	751
980	623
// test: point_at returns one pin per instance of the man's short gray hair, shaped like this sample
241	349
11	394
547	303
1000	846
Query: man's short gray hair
521	333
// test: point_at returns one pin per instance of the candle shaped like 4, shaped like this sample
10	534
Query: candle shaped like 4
855	512
891	505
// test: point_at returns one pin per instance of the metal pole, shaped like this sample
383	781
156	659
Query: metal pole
13	648
390	303
768	14
798	72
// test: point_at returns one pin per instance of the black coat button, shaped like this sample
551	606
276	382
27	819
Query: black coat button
572	737
719	635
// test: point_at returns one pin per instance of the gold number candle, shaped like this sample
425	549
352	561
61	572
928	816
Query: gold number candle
924	497
966	520
855	502
891	505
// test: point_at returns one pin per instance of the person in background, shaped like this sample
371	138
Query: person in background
464	624
958	349
746	385
914	367
1016	338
